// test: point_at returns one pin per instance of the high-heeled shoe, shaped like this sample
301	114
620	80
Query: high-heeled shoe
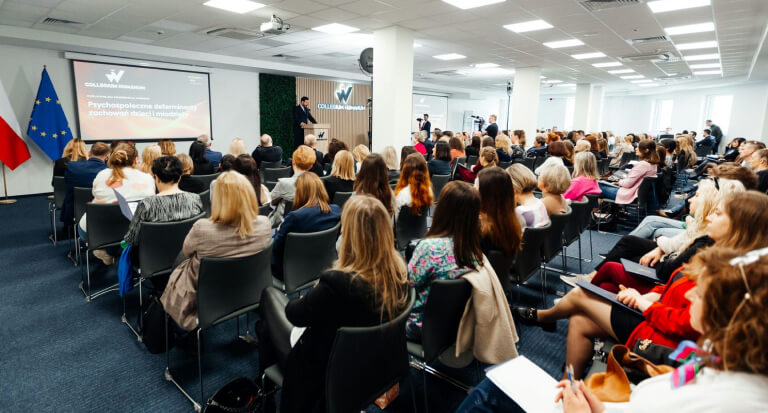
528	316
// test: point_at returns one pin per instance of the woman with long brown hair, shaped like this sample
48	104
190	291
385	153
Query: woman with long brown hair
372	179
414	189
500	229
246	166
367	285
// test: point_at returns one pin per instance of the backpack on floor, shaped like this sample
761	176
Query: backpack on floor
152	326
240	395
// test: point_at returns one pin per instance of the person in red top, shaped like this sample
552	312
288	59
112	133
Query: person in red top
419	138
738	222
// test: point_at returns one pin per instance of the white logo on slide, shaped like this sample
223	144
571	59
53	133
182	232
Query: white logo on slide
114	77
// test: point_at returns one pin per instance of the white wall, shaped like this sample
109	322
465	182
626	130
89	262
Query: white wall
552	111
480	107
234	108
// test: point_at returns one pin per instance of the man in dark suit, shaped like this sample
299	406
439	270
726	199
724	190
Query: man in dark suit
427	126
265	152
212	156
301	117
716	133
82	174
493	129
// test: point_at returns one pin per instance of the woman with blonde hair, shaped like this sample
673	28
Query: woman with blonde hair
237	147
167	147
389	154
582	146
503	148
312	212
531	212
74	150
367	285
554	180
686	155
584	177
414	188
148	156
234	230
359	153
342	177
187	183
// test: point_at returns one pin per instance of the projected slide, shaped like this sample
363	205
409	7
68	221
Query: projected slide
129	102
435	106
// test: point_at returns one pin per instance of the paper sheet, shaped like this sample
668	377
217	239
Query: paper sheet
527	384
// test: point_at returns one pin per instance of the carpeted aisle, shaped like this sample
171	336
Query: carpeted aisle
61	353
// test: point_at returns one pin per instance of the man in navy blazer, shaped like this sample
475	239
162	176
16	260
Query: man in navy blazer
301	117
82	174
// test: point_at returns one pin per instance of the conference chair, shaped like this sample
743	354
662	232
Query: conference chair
59	192
305	256
265	210
226	288
340	198
327	168
440	325
80	197
603	166
530	163
438	182
645	194
538	161
570	170
159	245
409	226
273	174
106	226
205	197
502	265
205	179
554	243
626	157
463	161
582	213
702	151
505	165
364	363
472	160
529	260
272	165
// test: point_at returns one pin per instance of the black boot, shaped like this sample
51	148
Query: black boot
528	316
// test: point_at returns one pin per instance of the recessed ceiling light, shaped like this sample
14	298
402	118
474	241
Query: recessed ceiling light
706	66
484	65
542	77
335	28
607	64
566	85
632	77
417	45
648	84
641	81
491	71
471	4
708	72
697	57
564	43
662	6
449	56
552	81
690	28
620	71
583	56
530	26
236	6
697	45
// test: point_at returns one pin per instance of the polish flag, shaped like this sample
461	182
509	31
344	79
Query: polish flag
13	150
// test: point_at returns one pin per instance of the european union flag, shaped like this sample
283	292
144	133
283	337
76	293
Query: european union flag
48	125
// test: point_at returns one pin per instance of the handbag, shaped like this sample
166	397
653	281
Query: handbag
152	327
240	395
613	385
655	353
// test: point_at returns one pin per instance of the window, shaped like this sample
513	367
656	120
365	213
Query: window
662	115
718	109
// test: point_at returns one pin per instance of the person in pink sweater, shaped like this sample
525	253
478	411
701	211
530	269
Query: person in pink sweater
584	177
626	191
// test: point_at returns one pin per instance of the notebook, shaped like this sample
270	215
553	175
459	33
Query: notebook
640	271
127	208
606	295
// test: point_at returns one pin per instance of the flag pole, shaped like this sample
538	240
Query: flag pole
6	201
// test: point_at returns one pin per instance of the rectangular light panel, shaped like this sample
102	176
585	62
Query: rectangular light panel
708	72
530	26
632	77
235	6
607	64
690	28
335	28
471	4
583	56
564	43
706	66
450	56
620	71
697	45
663	6
697	57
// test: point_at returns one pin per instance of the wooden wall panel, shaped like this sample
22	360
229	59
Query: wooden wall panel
349	126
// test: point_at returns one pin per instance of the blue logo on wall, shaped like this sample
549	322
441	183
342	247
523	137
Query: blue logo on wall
343	95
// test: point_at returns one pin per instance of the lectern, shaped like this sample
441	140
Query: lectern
321	131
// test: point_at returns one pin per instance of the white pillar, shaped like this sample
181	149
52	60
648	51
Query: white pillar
524	106
581	107
596	108
392	87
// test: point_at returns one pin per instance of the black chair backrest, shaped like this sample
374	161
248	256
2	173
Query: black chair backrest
327	168
273	174
205	197
570	170
530	163
270	185
462	160
265	210
288	207
106	225
80	197
603	168
160	243
340	198
626	157
645	191
272	165
307	255
529	259
505	165
205	179
554	242
703	150
580	221
502	265
365	362
231	286
472	160
438	182
410	226
538	161
442	314
59	191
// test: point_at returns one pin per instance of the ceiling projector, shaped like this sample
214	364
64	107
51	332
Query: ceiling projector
275	25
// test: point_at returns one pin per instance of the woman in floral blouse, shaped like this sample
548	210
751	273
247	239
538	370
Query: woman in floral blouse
450	250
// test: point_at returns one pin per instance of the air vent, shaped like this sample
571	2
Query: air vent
648	40
655	57
59	22
597	5
234	33
673	77
446	73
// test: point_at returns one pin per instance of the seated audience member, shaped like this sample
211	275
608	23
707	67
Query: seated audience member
234	230
746	150
584	177
201	165
81	174
552	137
213	156
531	212
311	212
665	309
592	139
457	148
728	301
602	147
168	205
167	147
488	158
266	152
503	148
407	150
311	141
372	179
474	147
284	190
539	147
626	191
187	183
342	177
226	163
500	230
389	154
732	152
362	289
359	153
246	166
148	156
685	154
759	163
452	247
418	142
569	152
622	146
237	147
334	146
583	146
414	189
706	139
557	154
74	150
670	147
518	138
440	164
554	180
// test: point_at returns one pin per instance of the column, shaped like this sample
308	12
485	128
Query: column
581	107
524	106
595	119
392	87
